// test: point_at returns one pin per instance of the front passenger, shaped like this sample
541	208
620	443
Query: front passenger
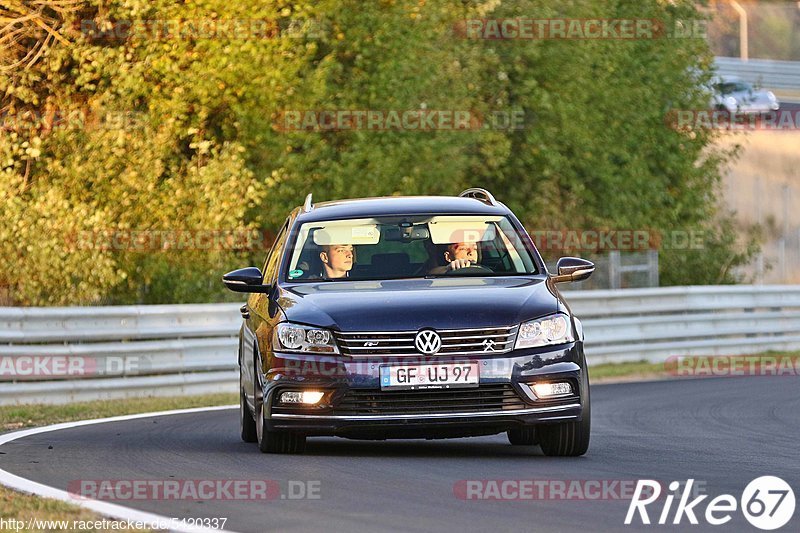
337	260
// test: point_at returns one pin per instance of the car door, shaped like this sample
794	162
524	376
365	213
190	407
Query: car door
257	326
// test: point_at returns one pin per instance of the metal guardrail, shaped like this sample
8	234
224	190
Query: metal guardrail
130	351
654	324
771	74
116	352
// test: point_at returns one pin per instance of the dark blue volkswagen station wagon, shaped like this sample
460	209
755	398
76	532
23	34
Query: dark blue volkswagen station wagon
410	317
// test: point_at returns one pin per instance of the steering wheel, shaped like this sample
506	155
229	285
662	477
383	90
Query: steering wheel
471	270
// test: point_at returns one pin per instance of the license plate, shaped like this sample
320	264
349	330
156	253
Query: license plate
417	377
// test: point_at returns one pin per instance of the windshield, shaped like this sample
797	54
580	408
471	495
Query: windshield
408	247
733	87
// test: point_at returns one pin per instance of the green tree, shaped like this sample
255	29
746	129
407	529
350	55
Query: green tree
111	132
144	128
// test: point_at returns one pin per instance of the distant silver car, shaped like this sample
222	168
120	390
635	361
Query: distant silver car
735	95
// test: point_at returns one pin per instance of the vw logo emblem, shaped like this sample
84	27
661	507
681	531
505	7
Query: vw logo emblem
428	342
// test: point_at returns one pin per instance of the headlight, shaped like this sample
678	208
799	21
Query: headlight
297	338
554	329
731	103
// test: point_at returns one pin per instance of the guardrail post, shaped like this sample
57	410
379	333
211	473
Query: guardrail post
652	260
614	274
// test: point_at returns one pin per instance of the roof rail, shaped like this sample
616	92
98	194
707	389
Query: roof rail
308	206
479	194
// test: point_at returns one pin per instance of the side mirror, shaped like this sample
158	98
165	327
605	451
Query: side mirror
245	280
573	269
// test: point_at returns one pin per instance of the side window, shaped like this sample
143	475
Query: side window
500	255
495	255
511	257
274	257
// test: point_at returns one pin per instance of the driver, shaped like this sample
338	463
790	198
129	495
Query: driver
337	260
458	255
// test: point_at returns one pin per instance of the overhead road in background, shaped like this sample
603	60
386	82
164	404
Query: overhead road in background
783	76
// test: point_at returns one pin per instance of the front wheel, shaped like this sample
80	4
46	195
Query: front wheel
247	423
569	439
282	442
522	436
273	441
566	439
277	441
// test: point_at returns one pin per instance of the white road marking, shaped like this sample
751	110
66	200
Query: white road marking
110	510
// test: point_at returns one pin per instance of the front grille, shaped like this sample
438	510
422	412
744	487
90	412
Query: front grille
375	402
477	341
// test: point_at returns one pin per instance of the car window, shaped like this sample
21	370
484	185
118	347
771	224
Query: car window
407	247
274	255
733	87
416	251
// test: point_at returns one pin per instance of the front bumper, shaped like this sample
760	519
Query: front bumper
757	108
355	406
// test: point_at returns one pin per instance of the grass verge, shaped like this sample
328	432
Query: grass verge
628	371
21	416
768	363
33	513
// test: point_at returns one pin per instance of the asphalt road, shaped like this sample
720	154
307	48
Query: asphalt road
722	432
790	106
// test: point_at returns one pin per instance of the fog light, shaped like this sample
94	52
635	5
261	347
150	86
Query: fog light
310	397
548	390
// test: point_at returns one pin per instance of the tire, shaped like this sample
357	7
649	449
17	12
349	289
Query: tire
523	436
273	441
569	439
247	423
282	442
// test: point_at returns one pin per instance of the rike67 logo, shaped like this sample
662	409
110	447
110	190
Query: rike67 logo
767	503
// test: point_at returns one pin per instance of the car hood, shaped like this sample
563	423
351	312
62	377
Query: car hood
403	305
751	96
